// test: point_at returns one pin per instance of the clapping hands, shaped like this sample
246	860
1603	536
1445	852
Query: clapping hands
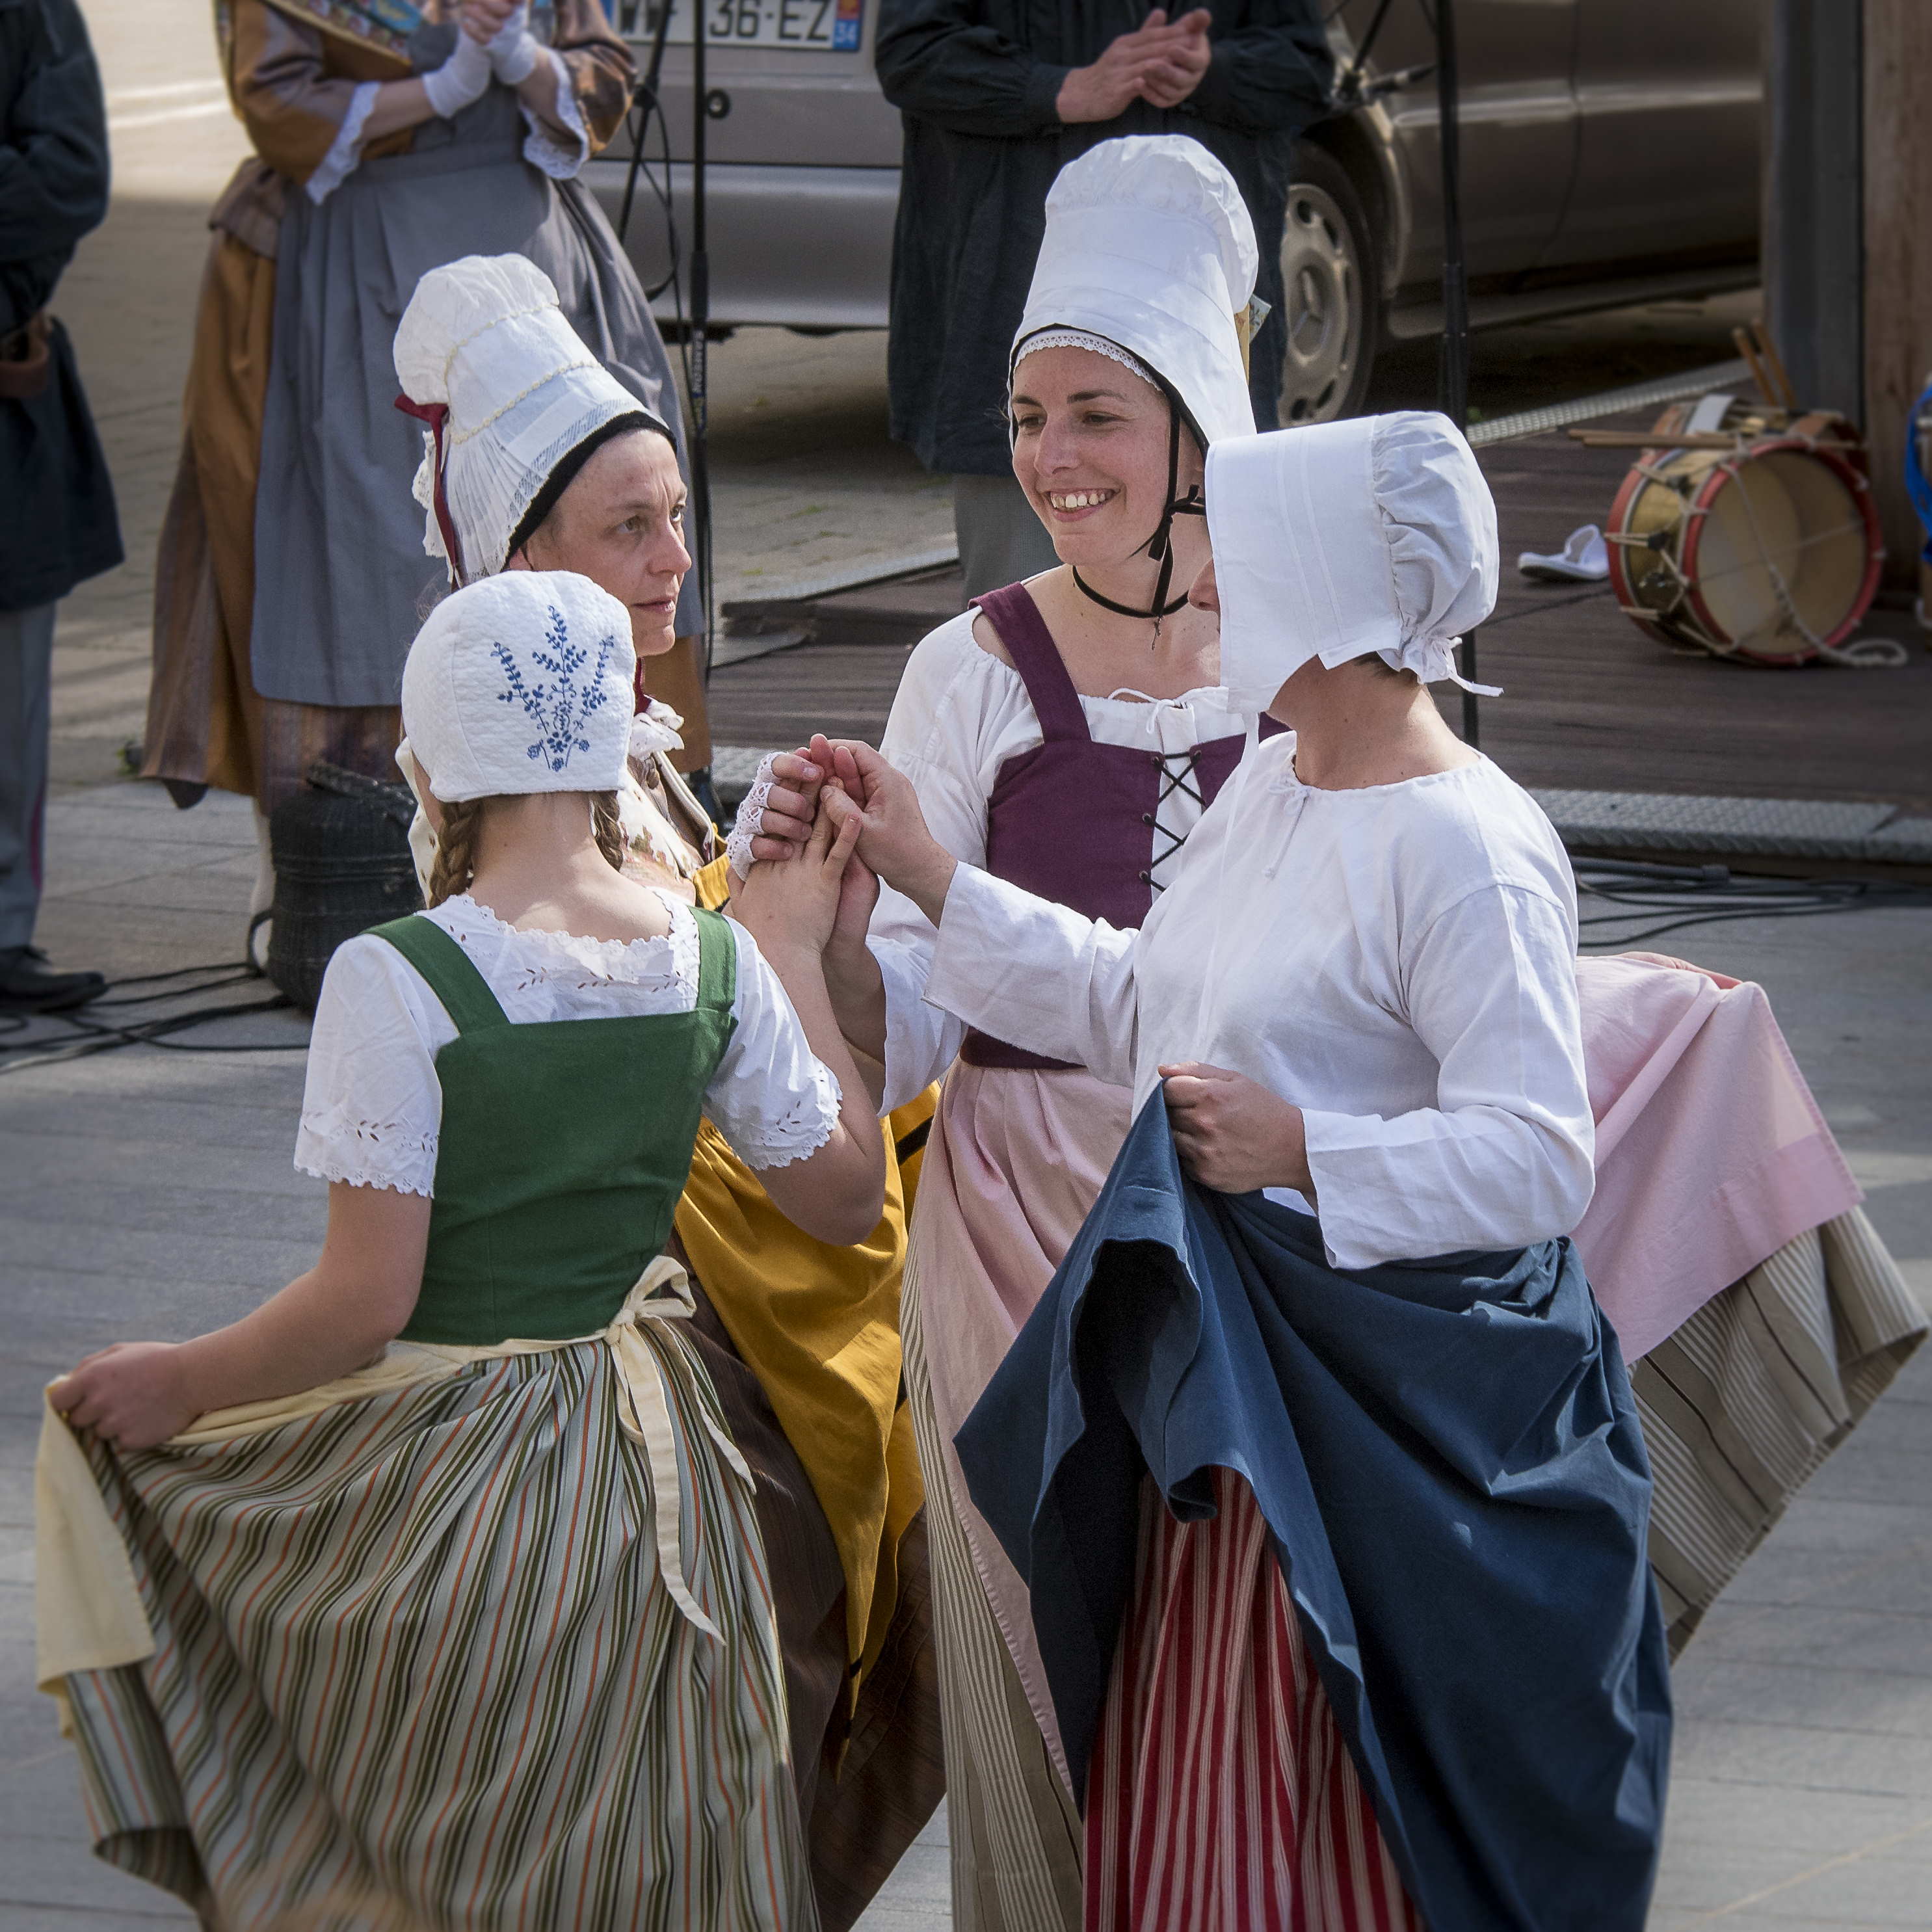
1161	62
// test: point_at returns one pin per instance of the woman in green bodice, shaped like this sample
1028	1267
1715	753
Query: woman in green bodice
447	1602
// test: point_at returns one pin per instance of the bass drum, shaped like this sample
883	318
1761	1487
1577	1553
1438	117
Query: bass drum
1769	551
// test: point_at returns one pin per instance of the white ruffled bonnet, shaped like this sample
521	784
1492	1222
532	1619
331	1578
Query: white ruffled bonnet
1149	247
520	683
1375	534
486	356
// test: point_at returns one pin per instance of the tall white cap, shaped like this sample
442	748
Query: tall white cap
1376	534
521	683
485	354
1148	246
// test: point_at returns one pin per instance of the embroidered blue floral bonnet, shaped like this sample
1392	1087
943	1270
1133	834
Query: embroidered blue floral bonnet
521	683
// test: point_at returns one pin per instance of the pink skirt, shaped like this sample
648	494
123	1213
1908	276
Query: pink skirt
1220	1797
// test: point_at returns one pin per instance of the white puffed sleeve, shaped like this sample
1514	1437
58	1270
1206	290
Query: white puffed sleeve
1037	974
953	701
773	1099
1506	1157
372	1106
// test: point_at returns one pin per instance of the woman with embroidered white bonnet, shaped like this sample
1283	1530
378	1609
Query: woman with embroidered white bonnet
447	1603
535	457
1391	1508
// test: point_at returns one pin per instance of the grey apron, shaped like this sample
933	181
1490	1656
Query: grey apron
342	582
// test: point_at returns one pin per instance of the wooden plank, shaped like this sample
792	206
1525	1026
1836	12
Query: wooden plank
1898	263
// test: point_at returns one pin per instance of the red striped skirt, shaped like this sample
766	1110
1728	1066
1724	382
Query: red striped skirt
1221	1797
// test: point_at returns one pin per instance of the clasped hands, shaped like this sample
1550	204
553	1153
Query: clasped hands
496	42
1233	1134
1160	62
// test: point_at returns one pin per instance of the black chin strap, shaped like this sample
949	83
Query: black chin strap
1160	545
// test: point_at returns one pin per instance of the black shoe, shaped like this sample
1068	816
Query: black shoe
27	984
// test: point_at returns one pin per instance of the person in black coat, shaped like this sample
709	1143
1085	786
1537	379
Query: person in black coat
59	517
998	96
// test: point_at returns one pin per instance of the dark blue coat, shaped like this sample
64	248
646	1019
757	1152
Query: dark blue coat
976	81
56	501
1451	1465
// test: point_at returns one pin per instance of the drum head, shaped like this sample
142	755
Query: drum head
1781	515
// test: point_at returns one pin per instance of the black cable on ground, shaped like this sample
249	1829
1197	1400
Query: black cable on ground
87	1036
1678	897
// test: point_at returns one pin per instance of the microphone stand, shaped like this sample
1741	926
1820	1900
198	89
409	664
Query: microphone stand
701	317
1453	385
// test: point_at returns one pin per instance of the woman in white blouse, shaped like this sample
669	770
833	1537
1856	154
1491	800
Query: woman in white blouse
1358	991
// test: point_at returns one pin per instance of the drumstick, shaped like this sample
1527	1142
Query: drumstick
1775	363
1637	439
1747	349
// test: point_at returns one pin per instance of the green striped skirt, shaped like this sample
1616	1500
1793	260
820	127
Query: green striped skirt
416	1664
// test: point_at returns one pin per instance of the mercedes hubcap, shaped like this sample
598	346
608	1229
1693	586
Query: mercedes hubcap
1321	273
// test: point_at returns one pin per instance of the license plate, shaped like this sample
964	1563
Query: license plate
808	26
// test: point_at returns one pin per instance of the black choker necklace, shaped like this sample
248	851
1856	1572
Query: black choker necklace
1126	609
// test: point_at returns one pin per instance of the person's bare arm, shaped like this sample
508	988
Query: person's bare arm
337	1317
837	1194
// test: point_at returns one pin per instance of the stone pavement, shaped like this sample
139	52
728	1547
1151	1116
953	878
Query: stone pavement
146	1192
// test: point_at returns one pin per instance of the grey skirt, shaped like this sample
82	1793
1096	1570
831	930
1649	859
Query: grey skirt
342	582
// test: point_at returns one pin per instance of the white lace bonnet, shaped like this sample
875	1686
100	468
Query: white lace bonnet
521	683
486	357
1375	534
1149	249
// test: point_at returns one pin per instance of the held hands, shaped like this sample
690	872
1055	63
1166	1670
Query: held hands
503	27
134	1393
799	907
1159	62
1232	1134
464	78
893	840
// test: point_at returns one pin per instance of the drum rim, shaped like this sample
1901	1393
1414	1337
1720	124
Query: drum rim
1860	490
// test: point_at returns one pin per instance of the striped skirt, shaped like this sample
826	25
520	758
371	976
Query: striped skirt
1220	1797
416	1664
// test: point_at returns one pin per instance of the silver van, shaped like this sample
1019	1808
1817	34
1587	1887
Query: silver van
1609	155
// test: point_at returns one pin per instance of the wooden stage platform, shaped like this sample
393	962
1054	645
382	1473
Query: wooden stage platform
1591	702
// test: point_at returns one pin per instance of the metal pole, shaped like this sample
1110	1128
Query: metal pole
700	318
1453	374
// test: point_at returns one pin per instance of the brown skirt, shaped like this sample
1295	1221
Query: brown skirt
207	725
867	1785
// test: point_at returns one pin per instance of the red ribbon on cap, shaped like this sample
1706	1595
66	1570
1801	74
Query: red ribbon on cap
435	414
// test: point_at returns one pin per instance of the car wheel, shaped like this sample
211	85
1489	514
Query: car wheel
1331	293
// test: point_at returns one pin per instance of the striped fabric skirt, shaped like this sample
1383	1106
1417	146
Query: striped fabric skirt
1220	1797
1751	1394
416	1664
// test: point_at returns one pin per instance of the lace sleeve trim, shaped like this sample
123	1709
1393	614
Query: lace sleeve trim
345	151
561	160
357	1178
797	1133
366	1154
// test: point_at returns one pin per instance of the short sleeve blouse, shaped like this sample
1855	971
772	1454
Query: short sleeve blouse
372	1109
